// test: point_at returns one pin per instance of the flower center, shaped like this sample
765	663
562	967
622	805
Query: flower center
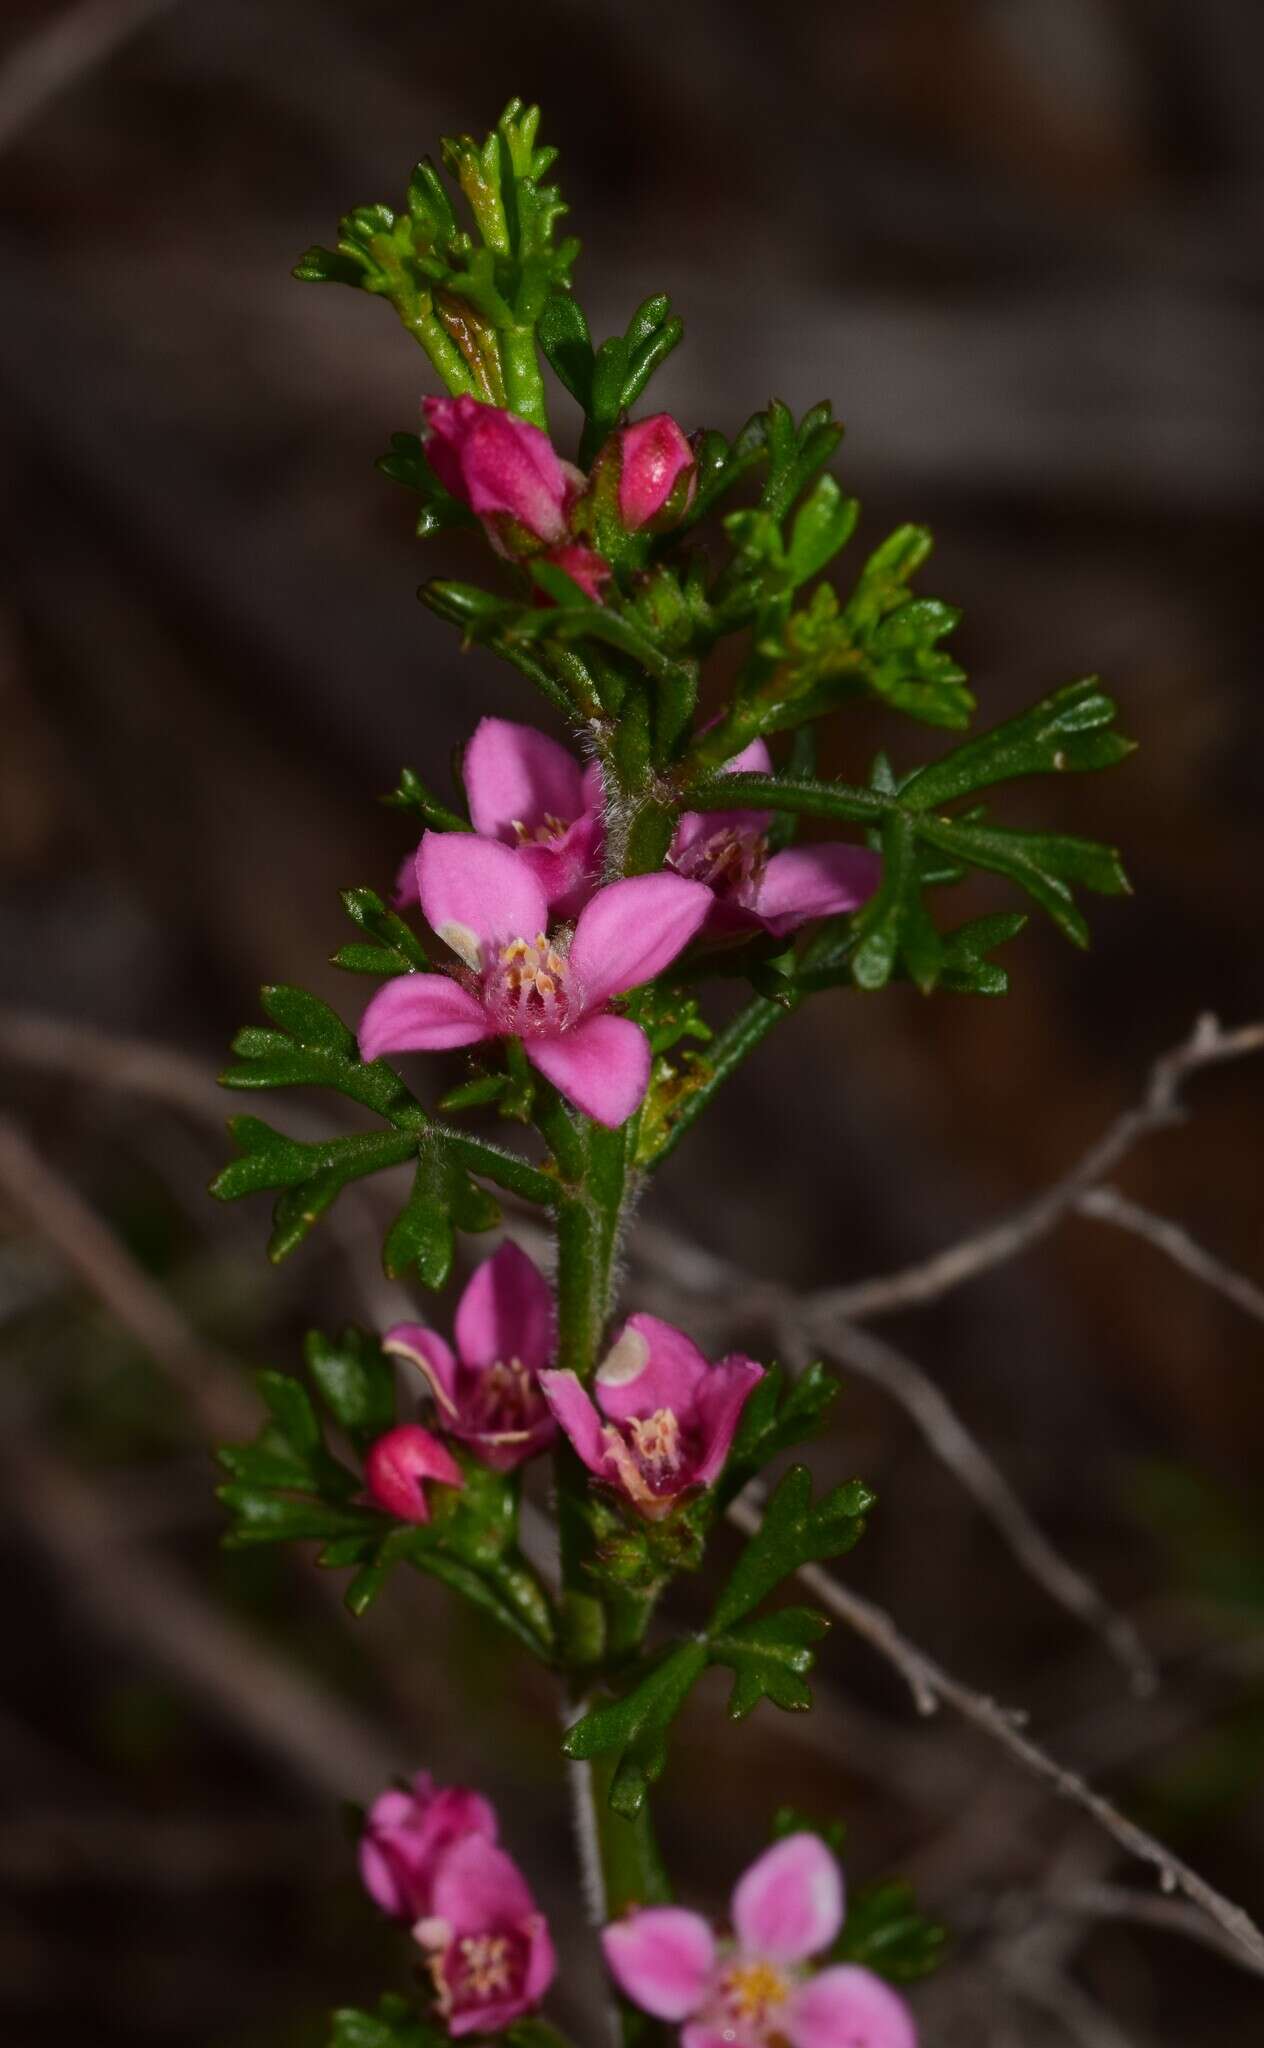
749	1997
530	990
508	1398
656	1443
483	1964
540	835
729	861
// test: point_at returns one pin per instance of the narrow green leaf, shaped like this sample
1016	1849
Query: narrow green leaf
794	1531
355	1380
1068	730
770	1658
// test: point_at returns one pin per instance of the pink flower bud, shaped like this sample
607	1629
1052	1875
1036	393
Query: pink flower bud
398	1466
407	1832
590	570
501	466
657	473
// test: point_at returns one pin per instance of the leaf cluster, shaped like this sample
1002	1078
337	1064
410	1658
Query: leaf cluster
290	1486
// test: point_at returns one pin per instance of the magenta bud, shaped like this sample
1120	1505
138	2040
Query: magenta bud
584	566
398	1466
657	475
501	466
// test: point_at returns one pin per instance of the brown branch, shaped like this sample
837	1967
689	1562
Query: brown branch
1161	1106
963	1455
1107	1205
932	1686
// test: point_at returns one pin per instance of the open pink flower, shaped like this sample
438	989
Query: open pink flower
530	793
406	1833
663	1420
657	471
756	1989
492	911
487	1392
398	1465
755	890
486	1941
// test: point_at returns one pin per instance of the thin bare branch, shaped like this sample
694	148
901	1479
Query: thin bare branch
932	1686
912	1286
1107	1205
963	1455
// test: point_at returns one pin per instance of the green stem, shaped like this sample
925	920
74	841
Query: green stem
524	385
726	1053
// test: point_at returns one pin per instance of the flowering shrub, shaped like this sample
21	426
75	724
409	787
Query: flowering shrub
578	898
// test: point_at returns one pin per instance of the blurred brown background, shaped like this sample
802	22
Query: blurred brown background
1018	242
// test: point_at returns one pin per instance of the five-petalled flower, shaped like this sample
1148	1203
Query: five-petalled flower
663	1420
755	890
486	1392
531	794
517	982
429	1857
756	1990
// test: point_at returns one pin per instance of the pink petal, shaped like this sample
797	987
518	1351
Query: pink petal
496	463
602	1065
701	2034
651	1365
631	930
789	1904
654	455
405	891
572	1406
662	1959
506	1312
567	868
516	775
754	759
815	881
478	1888
383	1883
848	2007
432	1356
504	1452
398	1465
693	826
421	1013
541	1962
476	894
721	1399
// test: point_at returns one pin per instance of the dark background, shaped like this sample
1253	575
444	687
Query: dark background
1019	245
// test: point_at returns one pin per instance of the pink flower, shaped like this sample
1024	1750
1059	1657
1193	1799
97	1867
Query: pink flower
657	473
530	793
487	1943
663	1421
493	912
755	1990
487	1393
753	890
399	1464
405	1835
501	466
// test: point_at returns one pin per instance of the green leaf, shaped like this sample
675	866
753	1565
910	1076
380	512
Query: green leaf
397	949
405	463
1045	864
823	524
967	969
771	1657
636	1726
794	1531
393	2025
776	1417
444	1199
563	335
311	1175
411	794
894	926
356	1381
1069	730
885	1932
261	1516
314	1049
